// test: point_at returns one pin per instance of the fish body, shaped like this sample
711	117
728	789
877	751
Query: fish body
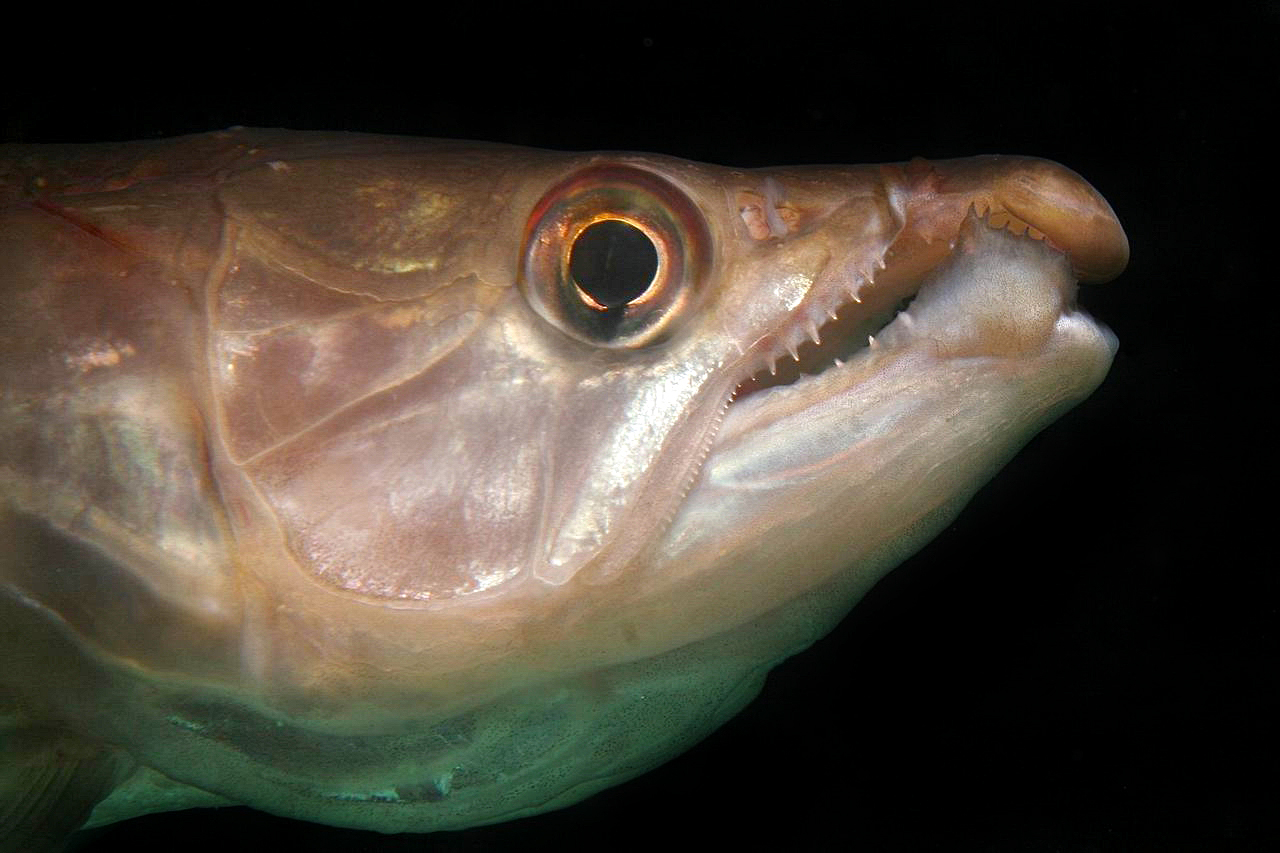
412	485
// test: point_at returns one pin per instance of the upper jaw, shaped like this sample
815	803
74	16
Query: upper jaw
1024	194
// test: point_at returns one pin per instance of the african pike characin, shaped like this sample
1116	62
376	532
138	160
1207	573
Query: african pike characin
413	485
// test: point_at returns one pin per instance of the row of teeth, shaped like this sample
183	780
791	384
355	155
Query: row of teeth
998	219
806	331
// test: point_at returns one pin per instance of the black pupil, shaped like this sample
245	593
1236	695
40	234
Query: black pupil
613	262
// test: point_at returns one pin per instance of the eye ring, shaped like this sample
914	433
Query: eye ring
658	229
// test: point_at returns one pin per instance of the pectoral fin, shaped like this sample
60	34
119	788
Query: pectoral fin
50	780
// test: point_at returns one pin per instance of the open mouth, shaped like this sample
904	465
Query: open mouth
998	291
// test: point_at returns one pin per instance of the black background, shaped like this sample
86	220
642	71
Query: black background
1087	659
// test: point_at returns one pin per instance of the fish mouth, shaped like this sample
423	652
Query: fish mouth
996	292
994	326
974	236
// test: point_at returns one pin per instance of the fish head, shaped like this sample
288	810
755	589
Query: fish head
633	400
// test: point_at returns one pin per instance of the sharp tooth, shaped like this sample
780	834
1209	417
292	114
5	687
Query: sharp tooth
871	342
831	314
813	333
837	362
906	319
791	348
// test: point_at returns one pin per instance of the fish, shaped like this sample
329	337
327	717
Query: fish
414	485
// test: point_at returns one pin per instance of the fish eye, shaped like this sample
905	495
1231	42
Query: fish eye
614	256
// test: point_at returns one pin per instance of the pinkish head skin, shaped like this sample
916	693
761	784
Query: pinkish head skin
335	493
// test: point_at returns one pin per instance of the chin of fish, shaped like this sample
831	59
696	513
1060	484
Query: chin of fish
413	485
